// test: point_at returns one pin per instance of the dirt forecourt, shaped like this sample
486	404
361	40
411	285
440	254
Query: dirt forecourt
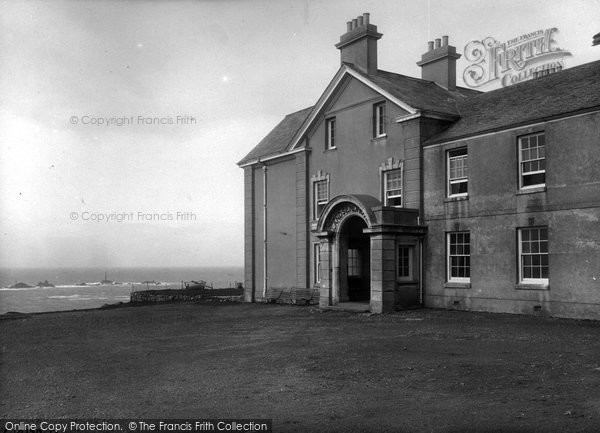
308	370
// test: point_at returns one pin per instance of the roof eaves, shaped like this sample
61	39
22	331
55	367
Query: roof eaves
437	140
429	114
252	157
270	157
317	107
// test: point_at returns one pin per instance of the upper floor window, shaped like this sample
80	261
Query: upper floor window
379	120
458	179
321	197
392	183
533	255
459	257
532	160
330	133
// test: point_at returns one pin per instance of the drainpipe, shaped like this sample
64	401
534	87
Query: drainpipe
264	293
421	271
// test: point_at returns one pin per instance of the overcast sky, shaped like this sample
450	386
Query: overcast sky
235	67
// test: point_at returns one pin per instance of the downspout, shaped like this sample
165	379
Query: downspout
421	271
264	293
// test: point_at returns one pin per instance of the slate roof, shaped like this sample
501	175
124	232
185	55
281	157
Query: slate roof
562	93
278	139
570	91
420	94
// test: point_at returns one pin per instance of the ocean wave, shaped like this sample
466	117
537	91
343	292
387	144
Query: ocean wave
78	297
20	289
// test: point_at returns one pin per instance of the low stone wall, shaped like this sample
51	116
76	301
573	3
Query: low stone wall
174	295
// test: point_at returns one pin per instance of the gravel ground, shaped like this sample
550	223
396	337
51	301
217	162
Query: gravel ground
308	370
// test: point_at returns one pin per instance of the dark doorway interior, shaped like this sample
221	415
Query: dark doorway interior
358	260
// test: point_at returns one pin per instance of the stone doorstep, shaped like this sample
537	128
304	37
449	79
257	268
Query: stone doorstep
352	307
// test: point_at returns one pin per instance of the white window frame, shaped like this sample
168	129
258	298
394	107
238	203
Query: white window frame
541	280
463	179
449	256
410	249
317	262
385	187
379	126
521	161
330	124
316	201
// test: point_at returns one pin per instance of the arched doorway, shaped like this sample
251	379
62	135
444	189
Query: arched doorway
369	253
354	261
345	251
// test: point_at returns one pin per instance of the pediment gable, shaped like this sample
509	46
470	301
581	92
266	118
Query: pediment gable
347	87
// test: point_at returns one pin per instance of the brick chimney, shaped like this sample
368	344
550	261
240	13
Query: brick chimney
439	63
359	44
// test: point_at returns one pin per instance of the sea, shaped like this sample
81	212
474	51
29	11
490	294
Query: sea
84	288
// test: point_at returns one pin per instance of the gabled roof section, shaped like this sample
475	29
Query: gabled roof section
421	94
344	71
411	94
570	91
277	141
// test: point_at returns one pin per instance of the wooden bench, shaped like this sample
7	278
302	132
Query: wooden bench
275	294
294	295
302	296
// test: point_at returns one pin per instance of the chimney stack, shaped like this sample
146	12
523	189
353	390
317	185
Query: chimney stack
438	64
358	45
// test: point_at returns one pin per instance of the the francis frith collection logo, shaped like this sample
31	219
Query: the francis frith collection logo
515	60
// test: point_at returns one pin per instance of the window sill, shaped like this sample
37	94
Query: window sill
532	286
531	190
406	282
456	285
380	139
456	198
330	149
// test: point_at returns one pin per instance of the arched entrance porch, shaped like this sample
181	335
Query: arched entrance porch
345	249
369	253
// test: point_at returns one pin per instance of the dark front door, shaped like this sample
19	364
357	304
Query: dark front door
358	261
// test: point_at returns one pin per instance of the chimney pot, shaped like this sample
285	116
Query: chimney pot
438	64
358	46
